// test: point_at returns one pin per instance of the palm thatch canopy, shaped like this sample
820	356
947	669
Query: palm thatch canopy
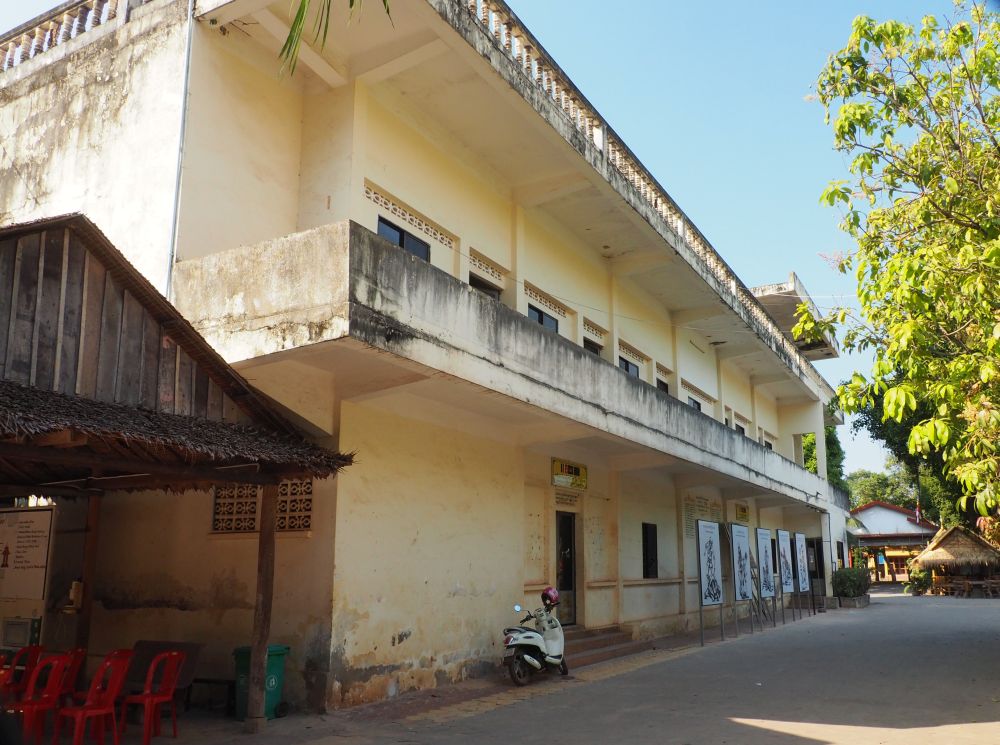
956	548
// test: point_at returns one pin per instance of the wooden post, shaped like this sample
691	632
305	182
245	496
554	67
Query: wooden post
262	610
89	570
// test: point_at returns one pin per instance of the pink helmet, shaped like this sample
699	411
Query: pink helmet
550	596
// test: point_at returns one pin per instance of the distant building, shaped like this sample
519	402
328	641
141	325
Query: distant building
895	533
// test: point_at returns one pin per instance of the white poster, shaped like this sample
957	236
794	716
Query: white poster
785	561
24	553
800	560
742	579
765	563
710	562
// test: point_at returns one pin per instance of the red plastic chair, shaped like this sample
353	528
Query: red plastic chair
12	685
76	659
40	699
167	667
99	703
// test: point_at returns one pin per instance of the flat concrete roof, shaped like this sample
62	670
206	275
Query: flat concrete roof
781	301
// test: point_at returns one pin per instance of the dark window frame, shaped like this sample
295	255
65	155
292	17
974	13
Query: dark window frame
543	319
631	369
592	346
662	385
487	288
404	239
694	403
650	559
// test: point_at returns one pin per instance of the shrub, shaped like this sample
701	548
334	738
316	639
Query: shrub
920	582
851	582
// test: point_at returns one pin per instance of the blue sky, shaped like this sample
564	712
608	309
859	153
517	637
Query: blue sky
712	98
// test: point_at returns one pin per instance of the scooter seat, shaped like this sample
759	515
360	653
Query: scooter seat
518	629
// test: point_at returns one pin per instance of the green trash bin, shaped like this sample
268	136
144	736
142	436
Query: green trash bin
274	680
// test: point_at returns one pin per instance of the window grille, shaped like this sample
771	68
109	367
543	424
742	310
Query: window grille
237	506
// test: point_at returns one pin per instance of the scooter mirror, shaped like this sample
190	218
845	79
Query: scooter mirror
517	608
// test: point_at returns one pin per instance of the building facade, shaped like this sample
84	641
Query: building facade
431	251
891	535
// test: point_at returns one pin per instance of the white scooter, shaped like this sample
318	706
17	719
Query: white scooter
528	651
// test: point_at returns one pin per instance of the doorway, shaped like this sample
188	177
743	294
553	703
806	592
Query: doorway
566	566
817	565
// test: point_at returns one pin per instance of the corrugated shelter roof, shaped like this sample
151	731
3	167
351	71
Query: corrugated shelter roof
957	547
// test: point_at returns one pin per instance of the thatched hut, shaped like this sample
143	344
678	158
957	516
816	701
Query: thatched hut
959	551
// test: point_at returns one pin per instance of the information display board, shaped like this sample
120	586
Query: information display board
802	565
765	563
709	563
24	553
742	578
785	561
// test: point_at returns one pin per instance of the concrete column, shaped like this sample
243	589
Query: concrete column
820	429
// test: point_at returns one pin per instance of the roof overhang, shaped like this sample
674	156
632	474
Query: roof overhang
782	301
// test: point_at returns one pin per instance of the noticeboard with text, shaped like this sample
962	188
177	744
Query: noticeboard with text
24	553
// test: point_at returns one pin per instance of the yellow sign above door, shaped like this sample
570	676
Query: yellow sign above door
568	475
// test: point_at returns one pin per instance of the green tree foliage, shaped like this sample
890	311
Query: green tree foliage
917	113
320	26
834	456
894	487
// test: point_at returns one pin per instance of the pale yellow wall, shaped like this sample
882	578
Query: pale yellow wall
736	390
696	364
767	416
430	524
649	501
643	323
437	185
573	276
240	182
328	138
162	574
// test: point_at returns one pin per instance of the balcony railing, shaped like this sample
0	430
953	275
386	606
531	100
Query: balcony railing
59	25
514	40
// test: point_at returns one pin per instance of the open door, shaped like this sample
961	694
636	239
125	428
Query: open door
566	566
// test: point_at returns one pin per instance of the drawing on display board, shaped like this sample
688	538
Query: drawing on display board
785	561
764	563
741	561
710	563
803	566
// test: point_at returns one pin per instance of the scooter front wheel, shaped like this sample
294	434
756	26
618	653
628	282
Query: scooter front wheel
520	672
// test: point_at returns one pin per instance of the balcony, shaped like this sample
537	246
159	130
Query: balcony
348	304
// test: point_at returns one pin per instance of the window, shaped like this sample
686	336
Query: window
768	445
840	554
727	422
631	369
694	403
407	241
543	318
741	429
662	385
483	286
235	507
592	346
650	565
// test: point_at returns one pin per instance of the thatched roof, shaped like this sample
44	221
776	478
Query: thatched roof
957	547
29	412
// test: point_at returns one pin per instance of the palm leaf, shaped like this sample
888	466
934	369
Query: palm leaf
289	53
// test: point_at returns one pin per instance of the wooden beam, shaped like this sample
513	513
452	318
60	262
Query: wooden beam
256	717
234	473
20	490
89	571
63	438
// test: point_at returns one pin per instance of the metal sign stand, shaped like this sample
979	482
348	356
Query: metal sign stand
701	622
774	614
722	616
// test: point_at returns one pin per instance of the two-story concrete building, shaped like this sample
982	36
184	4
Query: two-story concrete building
432	251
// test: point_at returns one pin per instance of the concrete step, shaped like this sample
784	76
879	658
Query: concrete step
579	632
602	654
597	641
